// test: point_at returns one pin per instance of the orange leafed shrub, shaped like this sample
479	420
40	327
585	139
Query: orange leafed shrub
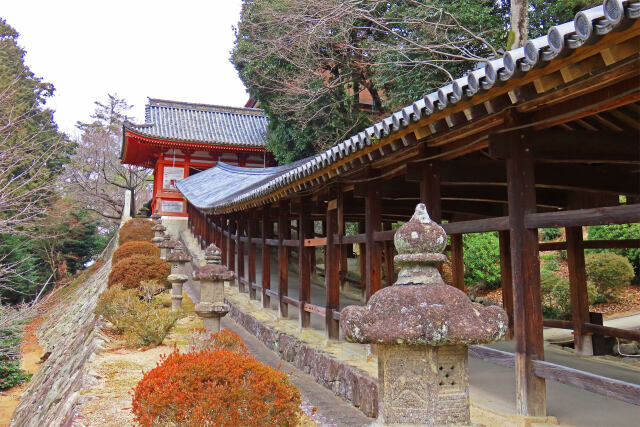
224	340
129	272
135	247
136	229
216	388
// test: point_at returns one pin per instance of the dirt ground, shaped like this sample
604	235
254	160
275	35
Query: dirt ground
9	398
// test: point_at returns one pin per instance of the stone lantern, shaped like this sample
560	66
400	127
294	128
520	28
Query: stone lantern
212	254
212	306
156	217
159	230
178	258
422	328
166	246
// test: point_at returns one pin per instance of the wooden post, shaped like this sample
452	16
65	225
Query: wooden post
332	272
284	230
231	254
362	259
251	231
305	231
578	285
372	224
224	247
267	231
505	275
525	266
430	189
240	245
388	258
342	249
457	261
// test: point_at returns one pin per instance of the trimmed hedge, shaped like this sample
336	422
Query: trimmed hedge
136	229
135	248
217	388
616	232
129	272
608	272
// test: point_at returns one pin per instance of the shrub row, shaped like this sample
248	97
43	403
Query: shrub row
136	229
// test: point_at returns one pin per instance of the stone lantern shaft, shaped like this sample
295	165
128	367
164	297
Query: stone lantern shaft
422	328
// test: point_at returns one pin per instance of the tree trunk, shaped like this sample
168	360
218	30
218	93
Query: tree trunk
519	23
132	210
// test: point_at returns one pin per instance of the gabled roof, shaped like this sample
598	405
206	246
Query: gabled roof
562	40
202	123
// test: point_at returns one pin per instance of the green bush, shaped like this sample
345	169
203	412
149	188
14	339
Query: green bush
135	315
619	231
556	295
11	375
550	233
608	272
549	262
482	259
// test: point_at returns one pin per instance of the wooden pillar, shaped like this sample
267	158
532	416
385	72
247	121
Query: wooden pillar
342	249
224	247
362	261
231	253
284	230
240	221
332	271
305	231
251	231
525	266
388	258
457	261
505	275
430	189
372	224
578	286
267	231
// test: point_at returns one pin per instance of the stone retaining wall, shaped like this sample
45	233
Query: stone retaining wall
71	337
350	383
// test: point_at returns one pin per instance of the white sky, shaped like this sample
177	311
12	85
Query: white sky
177	50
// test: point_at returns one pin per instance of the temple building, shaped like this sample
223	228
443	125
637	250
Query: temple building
180	139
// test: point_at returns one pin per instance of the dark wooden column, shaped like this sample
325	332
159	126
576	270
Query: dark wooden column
284	231
388	258
505	274
362	259
372	224
267	231
457	261
224	247
240	221
525	266
332	270
430	189
231	253
342	249
251	232
305	231
578	285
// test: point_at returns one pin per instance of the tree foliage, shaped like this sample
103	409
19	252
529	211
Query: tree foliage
308	63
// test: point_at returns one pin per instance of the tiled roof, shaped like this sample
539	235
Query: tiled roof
588	27
202	123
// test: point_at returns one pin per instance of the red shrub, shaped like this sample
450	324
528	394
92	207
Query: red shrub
218	388
129	272
136	229
202	340
133	248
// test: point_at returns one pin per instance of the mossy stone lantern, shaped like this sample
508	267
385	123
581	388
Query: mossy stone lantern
422	328
166	246
212	306
212	254
159	230
178	258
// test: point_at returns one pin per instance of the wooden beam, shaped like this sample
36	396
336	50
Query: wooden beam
251	232
457	261
267	231
527	305
231	254
283	255
430	189
578	288
373	269
622	214
241	223
390	273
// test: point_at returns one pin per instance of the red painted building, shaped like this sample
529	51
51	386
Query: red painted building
179	139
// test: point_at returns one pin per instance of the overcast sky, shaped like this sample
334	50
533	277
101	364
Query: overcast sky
177	50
